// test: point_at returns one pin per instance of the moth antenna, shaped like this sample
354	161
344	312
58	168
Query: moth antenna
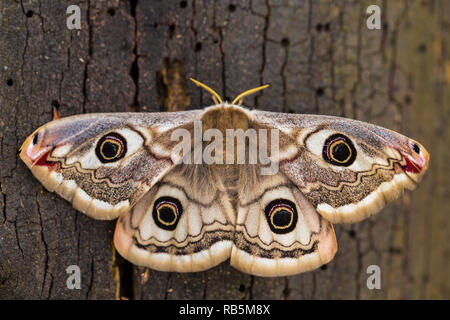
246	93
240	102
215	99
204	86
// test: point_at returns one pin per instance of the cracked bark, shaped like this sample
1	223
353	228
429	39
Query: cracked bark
135	56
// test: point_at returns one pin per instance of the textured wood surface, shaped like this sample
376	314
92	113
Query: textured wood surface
318	56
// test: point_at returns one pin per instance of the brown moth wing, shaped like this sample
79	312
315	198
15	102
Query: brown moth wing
62	156
196	236
269	245
385	163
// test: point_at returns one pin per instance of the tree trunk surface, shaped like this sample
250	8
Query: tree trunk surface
318	56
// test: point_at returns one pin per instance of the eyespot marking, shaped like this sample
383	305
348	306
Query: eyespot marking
339	150
111	147
281	216
167	212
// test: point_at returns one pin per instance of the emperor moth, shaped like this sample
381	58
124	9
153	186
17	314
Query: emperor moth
186	217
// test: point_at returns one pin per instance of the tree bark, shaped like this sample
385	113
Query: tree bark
318	56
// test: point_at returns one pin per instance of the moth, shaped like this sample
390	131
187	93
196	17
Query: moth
186	217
